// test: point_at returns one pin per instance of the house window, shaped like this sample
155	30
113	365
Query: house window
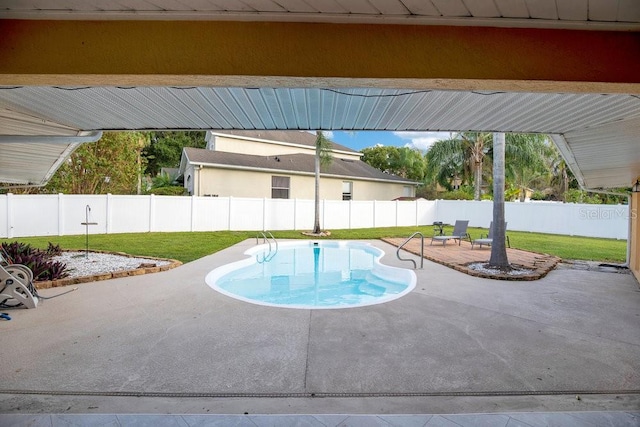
280	187
406	191
347	190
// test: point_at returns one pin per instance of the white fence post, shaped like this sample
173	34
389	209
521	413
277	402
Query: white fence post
107	215
193	213
60	215
230	209
152	213
324	208
397	213
295	212
264	214
9	215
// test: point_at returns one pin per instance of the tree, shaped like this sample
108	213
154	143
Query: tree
409	164
459	158
498	247
109	165
466	157
378	157
562	178
322	158
401	161
525	178
165	148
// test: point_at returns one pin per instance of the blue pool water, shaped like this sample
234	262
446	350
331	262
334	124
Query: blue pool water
309	274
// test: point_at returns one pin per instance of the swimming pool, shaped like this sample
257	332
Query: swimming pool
309	274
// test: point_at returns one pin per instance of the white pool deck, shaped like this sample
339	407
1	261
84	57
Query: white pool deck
166	349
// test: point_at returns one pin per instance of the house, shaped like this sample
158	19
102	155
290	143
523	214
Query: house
281	164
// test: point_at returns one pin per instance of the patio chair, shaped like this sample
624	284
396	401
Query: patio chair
15	290
459	233
489	239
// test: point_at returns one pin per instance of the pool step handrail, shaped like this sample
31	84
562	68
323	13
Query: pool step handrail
274	239
417	233
265	239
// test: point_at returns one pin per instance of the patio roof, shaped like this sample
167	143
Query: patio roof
576	14
32	160
597	133
594	117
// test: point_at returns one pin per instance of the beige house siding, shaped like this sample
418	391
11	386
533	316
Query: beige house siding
264	147
368	190
244	183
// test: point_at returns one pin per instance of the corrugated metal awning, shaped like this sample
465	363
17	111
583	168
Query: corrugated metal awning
598	132
32	160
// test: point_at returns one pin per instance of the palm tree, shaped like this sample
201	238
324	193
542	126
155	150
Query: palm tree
524	149
446	160
525	178
322	158
461	156
498	248
476	142
528	161
561	176
467	156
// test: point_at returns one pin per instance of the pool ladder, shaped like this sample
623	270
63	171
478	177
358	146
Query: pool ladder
267	237
417	233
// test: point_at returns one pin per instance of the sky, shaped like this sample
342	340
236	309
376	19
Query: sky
357	140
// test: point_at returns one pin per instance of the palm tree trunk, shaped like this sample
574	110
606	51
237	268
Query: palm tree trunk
316	222
498	247
477	181
477	155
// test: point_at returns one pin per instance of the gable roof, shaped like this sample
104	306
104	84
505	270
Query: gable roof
297	137
303	164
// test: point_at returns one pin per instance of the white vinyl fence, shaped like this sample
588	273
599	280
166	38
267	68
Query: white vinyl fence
57	215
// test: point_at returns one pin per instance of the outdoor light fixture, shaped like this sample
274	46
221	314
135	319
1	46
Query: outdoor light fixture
636	187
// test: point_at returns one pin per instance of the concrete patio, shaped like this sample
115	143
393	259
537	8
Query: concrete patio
167	343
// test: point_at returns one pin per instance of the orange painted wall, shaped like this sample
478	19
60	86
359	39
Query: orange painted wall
148	50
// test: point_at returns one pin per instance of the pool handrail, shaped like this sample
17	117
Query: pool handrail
421	250
265	239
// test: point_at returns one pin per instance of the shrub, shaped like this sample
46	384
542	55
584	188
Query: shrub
456	195
53	250
538	195
14	249
580	196
169	191
39	262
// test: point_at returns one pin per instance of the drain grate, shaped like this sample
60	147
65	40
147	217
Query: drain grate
320	394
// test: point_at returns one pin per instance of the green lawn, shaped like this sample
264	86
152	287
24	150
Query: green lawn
189	246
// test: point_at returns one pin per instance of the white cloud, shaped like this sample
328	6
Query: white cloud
422	140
